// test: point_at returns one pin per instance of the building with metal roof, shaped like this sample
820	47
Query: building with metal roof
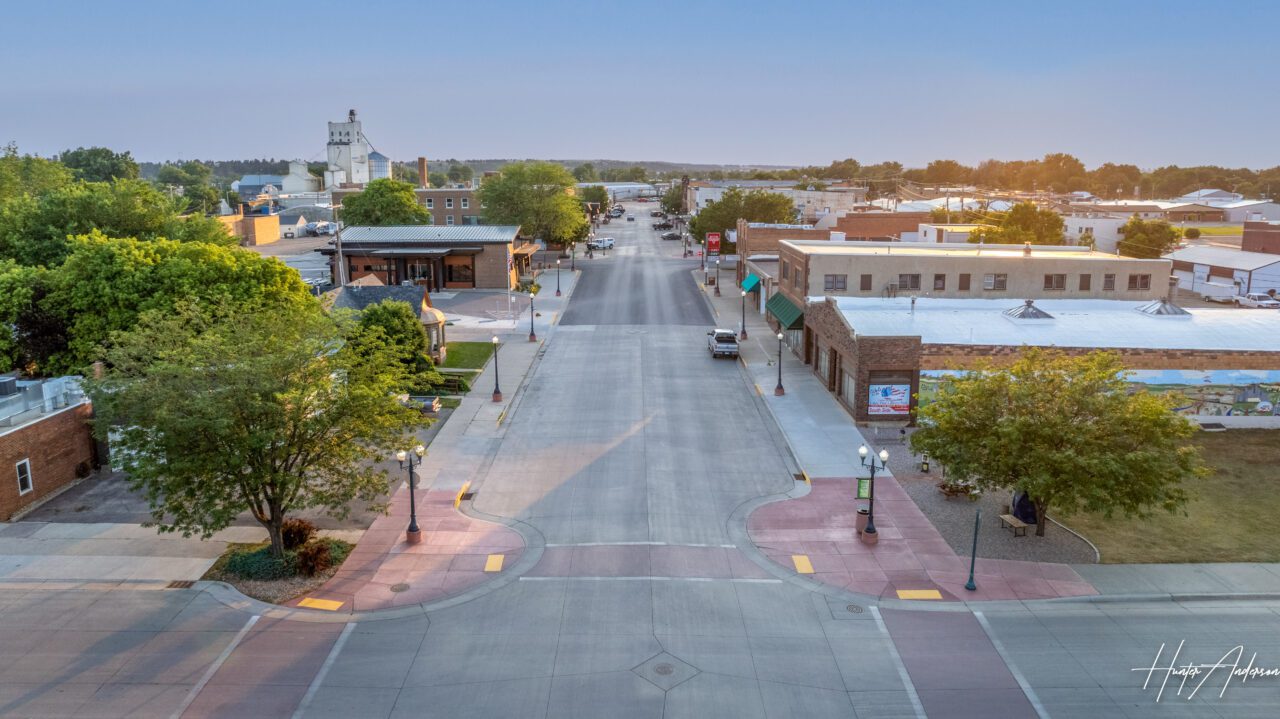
439	257
1249	271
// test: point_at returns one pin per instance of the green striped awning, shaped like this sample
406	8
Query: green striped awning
750	282
789	316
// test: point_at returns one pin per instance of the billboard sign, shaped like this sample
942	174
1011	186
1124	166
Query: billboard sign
713	244
889	399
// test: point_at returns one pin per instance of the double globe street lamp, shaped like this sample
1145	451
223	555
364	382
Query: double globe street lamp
869	535
411	460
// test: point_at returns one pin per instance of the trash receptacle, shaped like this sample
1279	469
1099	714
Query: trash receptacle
861	521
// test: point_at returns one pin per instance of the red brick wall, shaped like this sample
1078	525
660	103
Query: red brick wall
55	446
860	357
1261	237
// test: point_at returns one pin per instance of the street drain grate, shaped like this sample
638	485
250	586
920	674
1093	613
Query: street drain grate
180	584
664	669
401	587
854	609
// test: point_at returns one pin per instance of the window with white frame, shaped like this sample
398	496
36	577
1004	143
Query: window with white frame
995	281
431	203
448	219
448	203
24	477
466	203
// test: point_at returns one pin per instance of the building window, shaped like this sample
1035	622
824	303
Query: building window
431	203
1109	283
964	283
448	219
796	281
908	282
24	477
470	219
466	203
1086	283
448	203
1055	282
864	283
847	386
835	283
823	365
997	282
939	282
786	270
459	273
1139	282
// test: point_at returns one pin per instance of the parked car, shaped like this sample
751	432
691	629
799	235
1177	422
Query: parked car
1258	300
655	213
631	218
663	226
722	343
601	243
671	235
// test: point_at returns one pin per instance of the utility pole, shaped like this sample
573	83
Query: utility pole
341	267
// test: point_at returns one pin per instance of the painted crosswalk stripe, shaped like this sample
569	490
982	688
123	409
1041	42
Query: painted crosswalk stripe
213	668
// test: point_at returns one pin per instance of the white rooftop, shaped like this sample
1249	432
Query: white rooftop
1075	323
1223	257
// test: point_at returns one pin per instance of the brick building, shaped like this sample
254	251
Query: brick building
1261	237
439	257
876	355
45	440
456	205
759	238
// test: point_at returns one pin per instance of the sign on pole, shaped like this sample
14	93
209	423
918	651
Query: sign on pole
713	244
864	489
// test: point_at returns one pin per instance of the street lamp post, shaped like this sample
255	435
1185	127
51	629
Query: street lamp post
532	337
869	535
778	391
973	556
717	277
410	460
573	257
497	393
743	335
557	277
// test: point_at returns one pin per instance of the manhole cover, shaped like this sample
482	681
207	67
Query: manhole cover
402	587
854	609
664	669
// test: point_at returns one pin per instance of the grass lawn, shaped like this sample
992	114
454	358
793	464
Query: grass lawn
1228	231
467	355
1230	518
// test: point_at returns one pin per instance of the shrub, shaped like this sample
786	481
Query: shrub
1191	233
260	565
314	558
296	532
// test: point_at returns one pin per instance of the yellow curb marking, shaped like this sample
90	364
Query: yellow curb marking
457	500
493	563
803	565
806	477
919	594
329	605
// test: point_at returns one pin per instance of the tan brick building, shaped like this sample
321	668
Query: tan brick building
873	354
439	257
45	440
758	238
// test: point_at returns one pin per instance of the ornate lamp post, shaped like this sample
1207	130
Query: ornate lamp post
743	334
778	391
973	556
717	277
497	393
557	277
411	460
532	337
869	535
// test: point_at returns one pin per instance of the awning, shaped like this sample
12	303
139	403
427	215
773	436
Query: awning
526	250
409	253
789	316
750	282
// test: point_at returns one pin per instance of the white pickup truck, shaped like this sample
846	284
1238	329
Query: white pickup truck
722	343
1258	300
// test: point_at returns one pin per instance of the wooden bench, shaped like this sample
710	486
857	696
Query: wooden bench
1019	527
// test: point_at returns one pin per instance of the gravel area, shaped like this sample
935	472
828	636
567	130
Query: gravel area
954	518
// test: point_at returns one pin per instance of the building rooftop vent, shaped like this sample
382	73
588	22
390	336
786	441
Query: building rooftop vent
1027	311
1163	308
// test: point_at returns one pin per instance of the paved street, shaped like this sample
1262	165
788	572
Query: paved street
628	464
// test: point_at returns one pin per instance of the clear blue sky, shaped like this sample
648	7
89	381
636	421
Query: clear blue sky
743	81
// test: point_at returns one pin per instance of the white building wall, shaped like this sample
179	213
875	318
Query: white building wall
1254	213
1265	279
1106	230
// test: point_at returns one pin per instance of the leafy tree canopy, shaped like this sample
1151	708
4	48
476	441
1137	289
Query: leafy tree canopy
1065	429
459	173
438	179
397	326
1023	223
754	206
266	412
1146	238
596	194
586	172
534	195
34	229
673	199
384	202
100	164
29	175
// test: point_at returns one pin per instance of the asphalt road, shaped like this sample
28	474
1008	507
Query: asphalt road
629	455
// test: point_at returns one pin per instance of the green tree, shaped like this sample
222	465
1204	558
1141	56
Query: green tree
20	287
100	164
534	195
1067	430
437	179
193	182
263	412
586	172
673	199
34	230
1023	223
754	206
1146	239
947	172
596	194
459	173
397	326
29	175
384	202
105	284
